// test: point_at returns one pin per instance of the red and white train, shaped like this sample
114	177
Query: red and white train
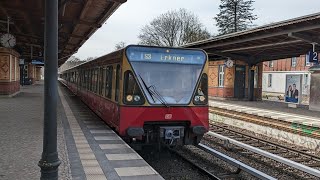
154	94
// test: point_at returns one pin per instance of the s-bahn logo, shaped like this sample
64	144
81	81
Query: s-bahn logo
168	116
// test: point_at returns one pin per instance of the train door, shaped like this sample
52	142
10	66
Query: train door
77	81
79	78
116	112
87	79
101	78
108	106
239	83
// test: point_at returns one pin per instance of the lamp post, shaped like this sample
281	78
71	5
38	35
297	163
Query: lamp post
50	162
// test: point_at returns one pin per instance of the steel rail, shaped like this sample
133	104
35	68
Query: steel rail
202	170
280	159
289	149
235	163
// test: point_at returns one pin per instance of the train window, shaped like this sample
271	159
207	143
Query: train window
80	76
94	87
132	92
92	80
201	95
101	78
77	77
89	80
97	80
117	82
108	87
84	85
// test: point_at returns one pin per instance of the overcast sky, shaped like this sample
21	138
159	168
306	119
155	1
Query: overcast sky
125	24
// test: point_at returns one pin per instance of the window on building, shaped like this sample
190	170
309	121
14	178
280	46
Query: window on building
293	61
307	60
270	63
269	80
221	76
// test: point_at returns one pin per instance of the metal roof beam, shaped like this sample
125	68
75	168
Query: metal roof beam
11	22
304	37
253	38
118	1
272	45
277	57
230	55
79	21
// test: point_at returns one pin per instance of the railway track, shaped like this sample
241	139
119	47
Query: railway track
266	121
291	156
200	169
213	174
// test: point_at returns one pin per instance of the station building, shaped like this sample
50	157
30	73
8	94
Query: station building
15	72
9	72
275	72
232	82
237	60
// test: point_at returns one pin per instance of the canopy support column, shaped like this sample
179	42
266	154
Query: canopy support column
50	162
251	83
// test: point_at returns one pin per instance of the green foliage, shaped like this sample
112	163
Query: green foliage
235	15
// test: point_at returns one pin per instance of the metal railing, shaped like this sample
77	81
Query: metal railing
236	163
277	158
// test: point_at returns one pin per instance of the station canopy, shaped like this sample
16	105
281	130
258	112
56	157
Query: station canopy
78	20
274	41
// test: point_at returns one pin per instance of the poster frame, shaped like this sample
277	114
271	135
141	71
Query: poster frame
299	89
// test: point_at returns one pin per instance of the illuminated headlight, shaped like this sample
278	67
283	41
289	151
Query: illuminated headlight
202	98
196	98
136	98
129	98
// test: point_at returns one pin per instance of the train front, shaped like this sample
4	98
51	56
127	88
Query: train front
165	95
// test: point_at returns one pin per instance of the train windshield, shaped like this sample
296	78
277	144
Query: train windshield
166	75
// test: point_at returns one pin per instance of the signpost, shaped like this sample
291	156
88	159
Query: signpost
313	57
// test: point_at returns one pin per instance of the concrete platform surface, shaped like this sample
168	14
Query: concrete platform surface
279	111
88	148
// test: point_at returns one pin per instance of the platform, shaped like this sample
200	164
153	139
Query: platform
274	120
87	147
269	109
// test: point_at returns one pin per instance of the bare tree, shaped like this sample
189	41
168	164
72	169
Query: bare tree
74	61
89	59
120	45
174	28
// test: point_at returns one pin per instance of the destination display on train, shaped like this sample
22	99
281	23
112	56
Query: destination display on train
165	55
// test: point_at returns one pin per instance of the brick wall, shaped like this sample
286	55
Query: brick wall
227	91
286	65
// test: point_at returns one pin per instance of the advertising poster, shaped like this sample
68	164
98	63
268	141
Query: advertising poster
293	88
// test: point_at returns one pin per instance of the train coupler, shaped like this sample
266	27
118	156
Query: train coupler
171	133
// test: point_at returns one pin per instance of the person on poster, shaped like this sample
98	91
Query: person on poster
292	94
289	91
295	92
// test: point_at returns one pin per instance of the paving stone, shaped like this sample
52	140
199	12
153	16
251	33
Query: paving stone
129	156
21	133
135	171
114	137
